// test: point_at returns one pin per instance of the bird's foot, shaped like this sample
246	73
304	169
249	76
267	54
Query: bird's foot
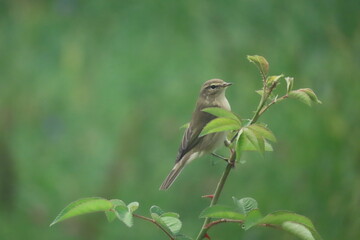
227	143
232	163
221	157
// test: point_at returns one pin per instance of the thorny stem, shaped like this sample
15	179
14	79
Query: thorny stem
154	222
217	193
224	220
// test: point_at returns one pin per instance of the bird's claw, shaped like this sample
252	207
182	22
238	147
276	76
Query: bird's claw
232	163
221	157
227	143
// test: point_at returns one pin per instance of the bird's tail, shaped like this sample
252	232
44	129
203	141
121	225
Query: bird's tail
172	175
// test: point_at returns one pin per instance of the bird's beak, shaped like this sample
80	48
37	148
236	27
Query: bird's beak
227	84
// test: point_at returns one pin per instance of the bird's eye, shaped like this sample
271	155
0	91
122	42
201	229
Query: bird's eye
213	86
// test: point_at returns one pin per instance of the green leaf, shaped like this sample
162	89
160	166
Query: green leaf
289	83
298	230
268	147
157	210
174	224
117	202
110	215
168	220
250	135
272	79
133	206
159	220
220	125
301	96
311	94
255	139
260	92
260	63
83	206
306	95
293	223
186	125
171	224
121	211
249	208
244	144
279	217
245	205
263	131
222	113
261	142
219	211
253	217
170	214
124	214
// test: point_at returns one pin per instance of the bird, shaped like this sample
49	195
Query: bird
193	146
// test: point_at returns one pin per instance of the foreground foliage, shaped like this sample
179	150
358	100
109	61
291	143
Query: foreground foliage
245	135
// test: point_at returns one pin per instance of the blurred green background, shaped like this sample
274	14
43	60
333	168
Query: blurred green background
92	94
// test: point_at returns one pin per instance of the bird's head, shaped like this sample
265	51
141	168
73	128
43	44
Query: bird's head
214	88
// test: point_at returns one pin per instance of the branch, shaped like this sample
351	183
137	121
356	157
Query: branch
222	221
154	222
272	103
262	102
218	191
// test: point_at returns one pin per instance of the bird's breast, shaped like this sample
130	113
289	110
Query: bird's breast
212	141
226	104
223	103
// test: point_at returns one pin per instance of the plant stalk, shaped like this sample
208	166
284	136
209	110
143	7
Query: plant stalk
154	222
217	193
272	103
259	111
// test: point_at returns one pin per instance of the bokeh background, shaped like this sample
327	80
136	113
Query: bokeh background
92	94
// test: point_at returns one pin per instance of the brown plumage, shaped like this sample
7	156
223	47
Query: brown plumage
212	94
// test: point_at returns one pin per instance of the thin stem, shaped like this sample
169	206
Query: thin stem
272	103
154	222
217	193
230	165
266	93
262	102
224	220
258	111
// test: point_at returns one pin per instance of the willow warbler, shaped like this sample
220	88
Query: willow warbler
212	94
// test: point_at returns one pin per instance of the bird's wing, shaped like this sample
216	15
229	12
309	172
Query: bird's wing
189	140
191	136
